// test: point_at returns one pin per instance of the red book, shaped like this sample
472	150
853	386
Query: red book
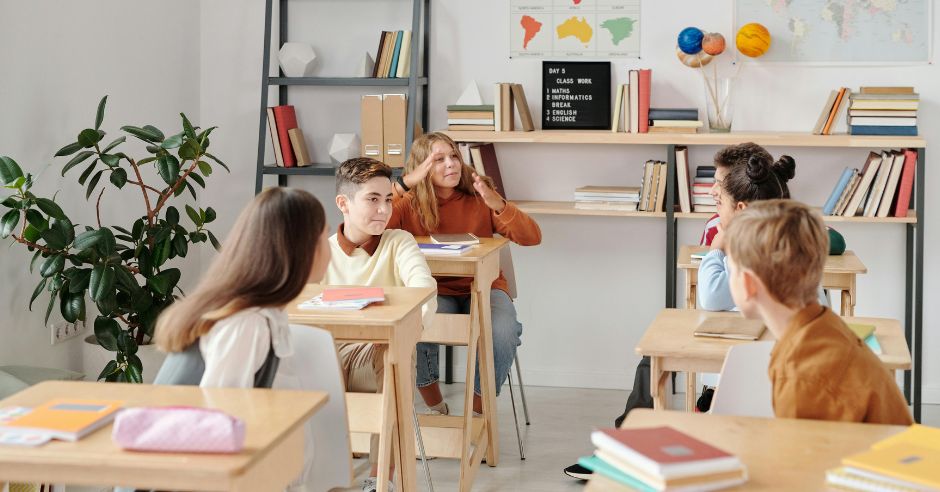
664	451
286	121
907	183
373	294
646	79
491	167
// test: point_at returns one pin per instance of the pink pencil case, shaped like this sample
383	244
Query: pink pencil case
178	430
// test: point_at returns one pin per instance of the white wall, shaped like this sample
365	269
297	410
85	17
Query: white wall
58	59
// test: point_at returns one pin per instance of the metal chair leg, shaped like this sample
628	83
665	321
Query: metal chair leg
424	458
525	406
512	398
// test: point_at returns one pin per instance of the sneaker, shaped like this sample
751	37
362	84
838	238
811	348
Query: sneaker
439	409
370	485
579	472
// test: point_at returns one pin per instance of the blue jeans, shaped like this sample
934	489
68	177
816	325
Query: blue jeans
506	333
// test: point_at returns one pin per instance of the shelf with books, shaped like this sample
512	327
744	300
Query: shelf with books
781	139
568	208
910	219
311	170
346	81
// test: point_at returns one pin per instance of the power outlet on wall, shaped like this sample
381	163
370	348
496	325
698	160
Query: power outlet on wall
62	330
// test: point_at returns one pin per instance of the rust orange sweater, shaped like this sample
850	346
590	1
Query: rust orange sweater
467	213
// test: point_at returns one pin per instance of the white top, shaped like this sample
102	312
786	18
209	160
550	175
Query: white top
236	347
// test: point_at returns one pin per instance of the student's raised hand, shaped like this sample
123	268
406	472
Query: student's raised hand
421	172
489	195
718	242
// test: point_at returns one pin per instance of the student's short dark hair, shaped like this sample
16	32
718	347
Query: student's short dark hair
752	173
353	172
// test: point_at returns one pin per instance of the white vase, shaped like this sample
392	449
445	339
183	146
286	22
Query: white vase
95	357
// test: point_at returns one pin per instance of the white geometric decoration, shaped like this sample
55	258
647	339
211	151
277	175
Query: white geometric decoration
365	67
297	59
471	95
344	146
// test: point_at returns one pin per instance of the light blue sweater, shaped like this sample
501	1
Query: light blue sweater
714	291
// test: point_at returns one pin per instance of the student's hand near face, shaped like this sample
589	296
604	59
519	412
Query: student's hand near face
718	242
489	195
414	177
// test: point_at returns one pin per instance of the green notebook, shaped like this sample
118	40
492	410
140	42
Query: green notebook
598	465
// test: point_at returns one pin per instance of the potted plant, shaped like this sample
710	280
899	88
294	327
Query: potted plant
124	271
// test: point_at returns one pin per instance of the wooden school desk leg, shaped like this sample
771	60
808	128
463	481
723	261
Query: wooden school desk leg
658	383
689	291
690	385
406	336
389	422
487	371
470	456
848	299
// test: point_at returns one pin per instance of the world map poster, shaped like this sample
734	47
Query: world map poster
574	29
842	31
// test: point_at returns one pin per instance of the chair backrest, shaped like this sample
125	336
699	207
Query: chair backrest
744	388
315	367
505	264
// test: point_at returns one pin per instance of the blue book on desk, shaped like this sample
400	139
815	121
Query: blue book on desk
830	205
444	249
903	131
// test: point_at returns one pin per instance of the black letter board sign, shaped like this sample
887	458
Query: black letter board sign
576	95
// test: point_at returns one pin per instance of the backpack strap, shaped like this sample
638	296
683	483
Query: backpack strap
264	378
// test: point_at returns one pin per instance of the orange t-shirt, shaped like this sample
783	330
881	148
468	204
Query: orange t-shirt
462	213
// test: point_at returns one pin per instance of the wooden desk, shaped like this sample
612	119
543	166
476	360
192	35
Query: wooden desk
839	274
780	454
397	323
482	264
272	458
672	347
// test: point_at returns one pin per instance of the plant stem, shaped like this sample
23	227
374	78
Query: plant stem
151	188
169	193
98	207
143	189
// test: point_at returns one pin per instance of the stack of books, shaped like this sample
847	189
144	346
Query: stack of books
662	458
674	120
702	200
838	99
883	111
653	188
632	103
470	117
607	197
391	59
345	299
290	147
882	188
906	461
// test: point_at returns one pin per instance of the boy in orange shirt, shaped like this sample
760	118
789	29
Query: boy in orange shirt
819	368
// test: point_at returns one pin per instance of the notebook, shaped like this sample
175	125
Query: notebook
444	249
733	328
708	481
916	464
862	331
664	451
67	419
465	238
847	478
370	294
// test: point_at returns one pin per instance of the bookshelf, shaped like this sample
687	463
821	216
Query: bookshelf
913	223
413	82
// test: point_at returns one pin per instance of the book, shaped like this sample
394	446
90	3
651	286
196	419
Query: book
868	175
891	188
709	481
878	185
471	121
463	239
477	159
276	143
525	116
918	465
299	146
705	208
497	106
444	249
652	204
618	103
67	419
847	479
664	451
900	131
600	467
671	129
378	55
384	60
906	185
396	54
886	96
843	182
634	101
861	330
661	193
884	104
886	90
847	194
881	121
370	294
705	171
625	109
824	114
677	123
882	113
673	114
836	107
646	81
478	115
472	107
491	166
286	119
317	303
466	128
682	175
405	60
731	328
627	206
506	108
609	190
916	434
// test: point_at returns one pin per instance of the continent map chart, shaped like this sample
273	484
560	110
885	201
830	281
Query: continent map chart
574	29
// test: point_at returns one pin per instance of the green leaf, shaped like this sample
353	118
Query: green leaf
8	222
144	263
93	183
172	215
65	227
155	131
143	133
163	282
214	241
126	343
121	229
138	230
87	172
119	177
205	168
193	215
54	238
73	306
89	137
101	283
10	202
32	262
134	374
217	161
107	304
146	160
9	170
107	331
161	252
133	360
52	300
100	116
36	220
107	244
204	137
113	144
78	159
32	234
108	370
69	149
87	239
198	179
168	167
52	265
210	215
141	300
39	289
173	142
50	208
110	160
188	127
125	278
190	150
180	245
79	281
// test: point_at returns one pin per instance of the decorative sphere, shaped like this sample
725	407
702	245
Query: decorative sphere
690	40
713	44
753	40
697	60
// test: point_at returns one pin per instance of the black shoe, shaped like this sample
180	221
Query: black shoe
578	471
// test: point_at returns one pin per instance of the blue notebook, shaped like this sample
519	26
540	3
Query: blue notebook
904	131
393	69
444	249
830	205
600	466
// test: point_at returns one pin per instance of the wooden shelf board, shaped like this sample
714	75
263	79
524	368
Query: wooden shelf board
786	139
346	81
567	208
910	219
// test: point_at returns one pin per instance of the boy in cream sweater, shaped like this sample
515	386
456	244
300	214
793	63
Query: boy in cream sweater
365	253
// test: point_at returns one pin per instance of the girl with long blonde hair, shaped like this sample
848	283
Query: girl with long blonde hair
440	193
